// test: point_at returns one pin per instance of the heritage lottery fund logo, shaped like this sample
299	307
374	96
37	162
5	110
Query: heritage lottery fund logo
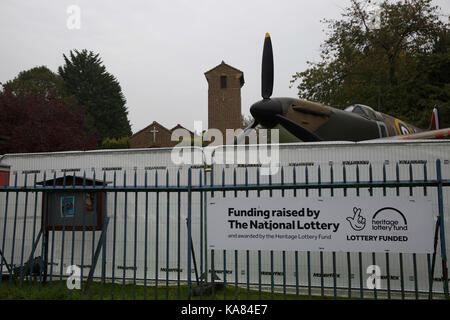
387	219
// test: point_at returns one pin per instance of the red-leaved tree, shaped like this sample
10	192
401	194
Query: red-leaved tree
35	123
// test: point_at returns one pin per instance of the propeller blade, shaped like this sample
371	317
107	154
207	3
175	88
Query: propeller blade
267	69
298	131
242	136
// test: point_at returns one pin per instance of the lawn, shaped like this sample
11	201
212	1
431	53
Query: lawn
58	291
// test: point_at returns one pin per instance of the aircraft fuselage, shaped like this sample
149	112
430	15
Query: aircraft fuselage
356	123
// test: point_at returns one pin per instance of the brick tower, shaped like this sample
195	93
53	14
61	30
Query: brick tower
224	97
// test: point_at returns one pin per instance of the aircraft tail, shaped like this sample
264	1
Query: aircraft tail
435	119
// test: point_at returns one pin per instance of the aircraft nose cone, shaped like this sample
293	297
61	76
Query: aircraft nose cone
264	111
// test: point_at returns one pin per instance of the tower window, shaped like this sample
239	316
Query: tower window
223	82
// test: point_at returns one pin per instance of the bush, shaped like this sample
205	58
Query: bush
113	143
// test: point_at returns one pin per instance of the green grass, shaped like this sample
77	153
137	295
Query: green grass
59	291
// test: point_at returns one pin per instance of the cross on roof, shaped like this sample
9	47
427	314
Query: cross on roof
154	131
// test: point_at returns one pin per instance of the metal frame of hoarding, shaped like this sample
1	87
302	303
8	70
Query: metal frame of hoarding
202	189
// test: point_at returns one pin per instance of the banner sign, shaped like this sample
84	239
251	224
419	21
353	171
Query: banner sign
354	224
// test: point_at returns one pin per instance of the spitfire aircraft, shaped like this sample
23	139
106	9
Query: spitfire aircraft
306	121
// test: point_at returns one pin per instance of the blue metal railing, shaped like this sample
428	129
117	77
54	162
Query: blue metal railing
153	231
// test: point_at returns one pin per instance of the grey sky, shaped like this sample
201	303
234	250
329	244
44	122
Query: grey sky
159	50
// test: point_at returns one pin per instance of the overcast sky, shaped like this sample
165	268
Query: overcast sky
159	50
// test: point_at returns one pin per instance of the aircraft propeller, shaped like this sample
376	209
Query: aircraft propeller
269	112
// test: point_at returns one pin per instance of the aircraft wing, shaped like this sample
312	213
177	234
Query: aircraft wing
433	134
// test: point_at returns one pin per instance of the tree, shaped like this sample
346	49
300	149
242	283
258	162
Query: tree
35	123
384	54
39	81
86	78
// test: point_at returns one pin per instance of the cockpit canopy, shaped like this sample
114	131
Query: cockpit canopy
365	111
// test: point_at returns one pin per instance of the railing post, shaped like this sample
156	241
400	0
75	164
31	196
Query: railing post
189	247
442	228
